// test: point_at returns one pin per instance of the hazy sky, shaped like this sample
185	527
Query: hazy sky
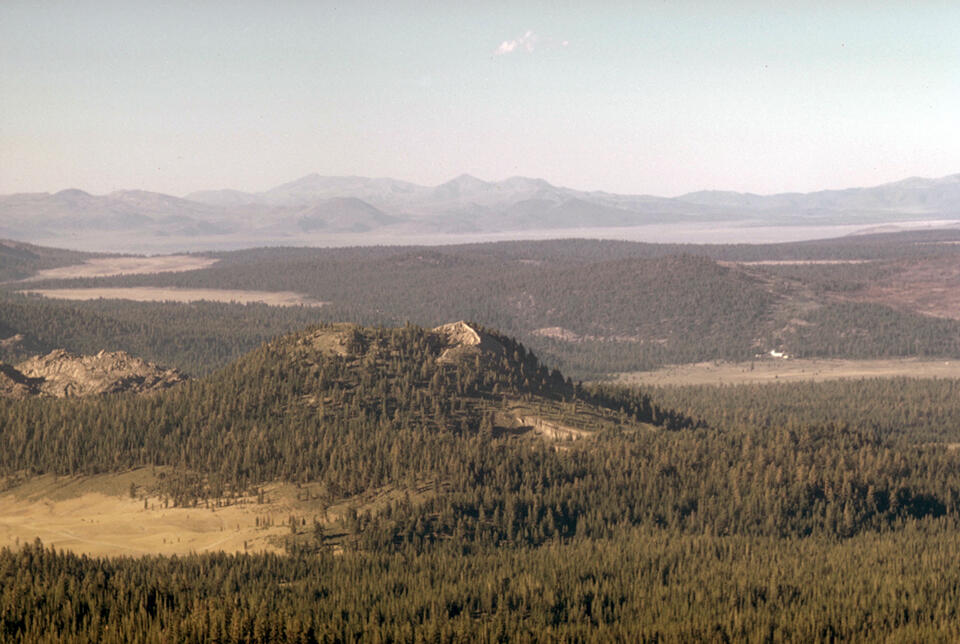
656	97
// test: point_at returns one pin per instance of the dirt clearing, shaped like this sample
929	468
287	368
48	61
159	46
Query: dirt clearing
926	286
172	294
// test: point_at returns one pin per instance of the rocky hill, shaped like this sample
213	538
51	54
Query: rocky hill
14	384
463	341
311	404
450	343
61	374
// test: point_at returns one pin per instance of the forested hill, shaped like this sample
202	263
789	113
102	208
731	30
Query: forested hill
512	451
482	495
350	406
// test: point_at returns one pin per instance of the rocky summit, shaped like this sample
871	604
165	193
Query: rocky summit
464	341
62	374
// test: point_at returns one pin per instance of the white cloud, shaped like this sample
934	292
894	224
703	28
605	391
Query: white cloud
525	42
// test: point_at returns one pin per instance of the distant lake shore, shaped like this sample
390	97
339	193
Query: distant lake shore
726	232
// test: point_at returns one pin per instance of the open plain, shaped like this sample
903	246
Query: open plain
108	266
119	515
793	370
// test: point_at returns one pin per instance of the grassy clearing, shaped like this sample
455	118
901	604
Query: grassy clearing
96	515
108	266
792	370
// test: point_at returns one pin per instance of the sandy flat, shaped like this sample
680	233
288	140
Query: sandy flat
172	294
792	370
107	266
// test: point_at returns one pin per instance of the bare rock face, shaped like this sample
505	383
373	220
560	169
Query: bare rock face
463	341
13	384
62	374
12	341
329	340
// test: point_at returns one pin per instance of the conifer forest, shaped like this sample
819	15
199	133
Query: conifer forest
462	465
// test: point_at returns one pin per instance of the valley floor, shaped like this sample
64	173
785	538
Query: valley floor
107	266
793	370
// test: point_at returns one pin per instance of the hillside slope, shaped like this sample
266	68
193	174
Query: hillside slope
467	492
495	448
19	260
304	402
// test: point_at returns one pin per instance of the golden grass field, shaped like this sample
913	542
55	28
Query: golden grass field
96	515
793	370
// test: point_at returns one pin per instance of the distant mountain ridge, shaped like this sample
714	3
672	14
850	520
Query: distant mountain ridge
465	204
916	196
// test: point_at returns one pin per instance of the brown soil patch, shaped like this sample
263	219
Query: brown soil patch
930	287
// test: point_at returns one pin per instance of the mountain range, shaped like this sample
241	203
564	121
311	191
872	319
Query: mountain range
466	204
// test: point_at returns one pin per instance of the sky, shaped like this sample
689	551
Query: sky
635	97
